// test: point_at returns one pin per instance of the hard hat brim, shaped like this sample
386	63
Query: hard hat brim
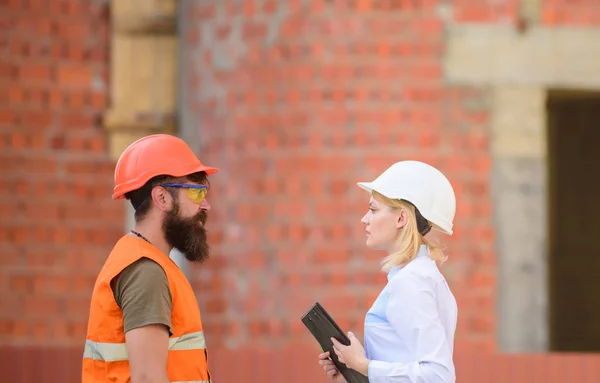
122	189
368	186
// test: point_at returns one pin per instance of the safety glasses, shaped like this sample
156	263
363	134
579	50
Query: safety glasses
196	193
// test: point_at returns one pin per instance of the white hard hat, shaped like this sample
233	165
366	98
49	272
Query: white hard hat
422	185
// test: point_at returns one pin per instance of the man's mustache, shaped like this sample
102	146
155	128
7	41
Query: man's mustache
202	217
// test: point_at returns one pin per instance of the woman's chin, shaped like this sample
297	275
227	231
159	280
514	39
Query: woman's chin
370	244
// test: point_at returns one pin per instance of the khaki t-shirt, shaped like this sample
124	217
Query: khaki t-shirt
143	294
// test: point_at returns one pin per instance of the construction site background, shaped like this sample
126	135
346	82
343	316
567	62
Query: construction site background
295	101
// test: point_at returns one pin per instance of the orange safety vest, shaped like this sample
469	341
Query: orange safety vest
105	355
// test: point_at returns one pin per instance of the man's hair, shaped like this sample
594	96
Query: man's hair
140	198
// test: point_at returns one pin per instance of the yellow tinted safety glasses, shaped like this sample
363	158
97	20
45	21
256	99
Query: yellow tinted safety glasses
196	193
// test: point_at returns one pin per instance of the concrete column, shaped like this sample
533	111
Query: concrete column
519	189
144	78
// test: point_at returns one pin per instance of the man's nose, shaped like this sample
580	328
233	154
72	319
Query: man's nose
205	205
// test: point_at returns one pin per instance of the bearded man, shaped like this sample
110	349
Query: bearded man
145	324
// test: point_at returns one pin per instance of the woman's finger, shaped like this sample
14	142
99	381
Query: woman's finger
324	355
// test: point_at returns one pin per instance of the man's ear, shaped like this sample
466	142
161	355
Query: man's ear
161	198
402	219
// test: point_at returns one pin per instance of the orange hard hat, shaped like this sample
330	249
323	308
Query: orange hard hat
151	156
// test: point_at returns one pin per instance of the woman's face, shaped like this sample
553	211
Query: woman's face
382	224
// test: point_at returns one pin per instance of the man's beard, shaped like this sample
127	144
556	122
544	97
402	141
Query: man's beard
186	234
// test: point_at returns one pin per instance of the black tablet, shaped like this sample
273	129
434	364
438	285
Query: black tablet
323	328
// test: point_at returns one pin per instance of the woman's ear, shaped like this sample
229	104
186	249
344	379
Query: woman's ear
161	198
402	219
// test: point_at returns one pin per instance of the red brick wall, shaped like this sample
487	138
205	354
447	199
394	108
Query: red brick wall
58	221
294	107
298	101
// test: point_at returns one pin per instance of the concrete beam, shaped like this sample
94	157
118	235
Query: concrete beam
548	57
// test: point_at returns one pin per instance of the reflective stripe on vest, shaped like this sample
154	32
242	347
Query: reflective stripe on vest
114	352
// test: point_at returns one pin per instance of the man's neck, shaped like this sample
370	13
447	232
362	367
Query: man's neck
154	236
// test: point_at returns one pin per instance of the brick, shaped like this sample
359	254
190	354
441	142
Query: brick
76	120
74	75
39	212
7	117
7	70
482	280
37	97
41	306
21	284
74	30
35	24
37	119
332	256
338	279
35	72
88	167
79	53
78	100
254	30
98	101
11	257
298	233
77	307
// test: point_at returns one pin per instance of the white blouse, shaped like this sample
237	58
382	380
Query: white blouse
409	330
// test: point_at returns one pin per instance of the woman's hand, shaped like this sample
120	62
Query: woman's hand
352	356
332	372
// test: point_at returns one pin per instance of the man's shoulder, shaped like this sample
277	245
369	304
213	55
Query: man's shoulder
140	275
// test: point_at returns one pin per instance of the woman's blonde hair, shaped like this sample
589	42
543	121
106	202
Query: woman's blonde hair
410	239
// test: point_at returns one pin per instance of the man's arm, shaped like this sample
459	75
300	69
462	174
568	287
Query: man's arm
143	294
148	348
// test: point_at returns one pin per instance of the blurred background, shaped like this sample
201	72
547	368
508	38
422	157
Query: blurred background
295	101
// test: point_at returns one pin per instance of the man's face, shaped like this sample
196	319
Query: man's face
186	232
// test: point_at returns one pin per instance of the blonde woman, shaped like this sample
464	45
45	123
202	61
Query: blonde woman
409	330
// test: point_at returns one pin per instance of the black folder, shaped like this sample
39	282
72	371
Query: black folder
323	328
